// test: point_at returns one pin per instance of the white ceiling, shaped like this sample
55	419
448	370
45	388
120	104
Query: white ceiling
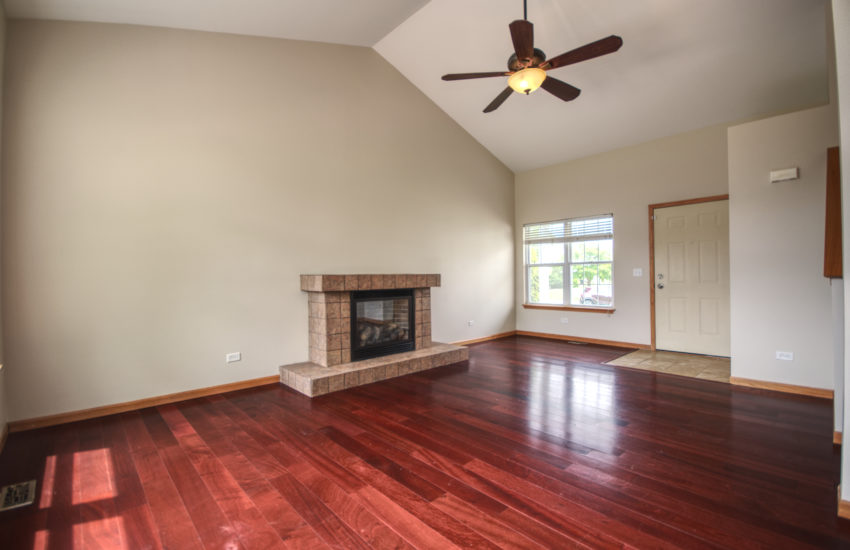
685	64
353	22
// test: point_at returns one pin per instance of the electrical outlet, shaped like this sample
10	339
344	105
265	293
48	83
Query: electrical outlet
233	357
470	322
785	355
637	272
565	320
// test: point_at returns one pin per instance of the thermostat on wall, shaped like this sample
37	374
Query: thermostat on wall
784	174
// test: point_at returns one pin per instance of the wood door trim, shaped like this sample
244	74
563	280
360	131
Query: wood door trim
844	509
3	437
832	253
652	208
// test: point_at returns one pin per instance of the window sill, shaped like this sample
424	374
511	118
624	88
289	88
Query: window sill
571	308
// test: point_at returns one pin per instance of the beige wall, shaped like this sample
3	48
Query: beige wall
780	300
625	182
164	189
841	28
4	414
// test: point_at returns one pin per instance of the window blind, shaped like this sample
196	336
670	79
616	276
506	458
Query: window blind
573	229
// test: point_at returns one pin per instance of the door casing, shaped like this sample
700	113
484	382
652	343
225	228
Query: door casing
652	208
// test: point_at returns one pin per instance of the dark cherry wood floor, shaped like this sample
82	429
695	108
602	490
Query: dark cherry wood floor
531	444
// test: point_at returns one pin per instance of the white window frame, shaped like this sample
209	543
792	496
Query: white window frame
595	228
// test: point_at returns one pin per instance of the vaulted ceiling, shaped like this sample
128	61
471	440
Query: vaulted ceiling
685	64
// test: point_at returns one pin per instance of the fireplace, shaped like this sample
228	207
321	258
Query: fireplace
330	309
367	327
382	322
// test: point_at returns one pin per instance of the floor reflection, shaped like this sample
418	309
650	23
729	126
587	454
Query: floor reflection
575	404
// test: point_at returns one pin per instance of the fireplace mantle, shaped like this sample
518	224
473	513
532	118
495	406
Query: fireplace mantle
339	283
330	367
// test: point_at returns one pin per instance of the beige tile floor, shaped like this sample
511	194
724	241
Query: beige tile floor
684	364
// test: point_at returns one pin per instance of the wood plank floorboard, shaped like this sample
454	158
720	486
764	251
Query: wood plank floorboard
532	443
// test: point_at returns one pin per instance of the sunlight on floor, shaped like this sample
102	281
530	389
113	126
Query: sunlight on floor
706	367
87	492
100	533
47	482
40	540
93	477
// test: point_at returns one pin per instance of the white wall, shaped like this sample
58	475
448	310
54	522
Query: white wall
625	182
780	299
164	189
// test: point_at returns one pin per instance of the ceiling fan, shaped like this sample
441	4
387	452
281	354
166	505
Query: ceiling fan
527	66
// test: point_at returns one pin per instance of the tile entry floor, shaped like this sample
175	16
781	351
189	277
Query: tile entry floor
706	367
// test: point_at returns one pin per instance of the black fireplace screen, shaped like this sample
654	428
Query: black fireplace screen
381	323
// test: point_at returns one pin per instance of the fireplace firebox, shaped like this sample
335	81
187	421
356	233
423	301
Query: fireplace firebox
382	323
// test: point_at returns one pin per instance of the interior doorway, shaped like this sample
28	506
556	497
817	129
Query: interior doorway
689	276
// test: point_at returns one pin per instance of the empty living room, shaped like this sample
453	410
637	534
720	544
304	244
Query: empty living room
424	274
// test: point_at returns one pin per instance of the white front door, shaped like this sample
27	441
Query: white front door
692	278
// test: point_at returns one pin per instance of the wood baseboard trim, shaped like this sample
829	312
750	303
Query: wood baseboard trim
843	508
786	388
486	338
612	343
3	437
836	438
85	414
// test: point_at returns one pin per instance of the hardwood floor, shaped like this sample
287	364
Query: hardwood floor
531	444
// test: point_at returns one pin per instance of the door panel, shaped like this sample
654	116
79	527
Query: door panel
708	318
677	321
676	262
708	262
692	278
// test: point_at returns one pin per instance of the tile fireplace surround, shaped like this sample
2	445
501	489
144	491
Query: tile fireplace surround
330	368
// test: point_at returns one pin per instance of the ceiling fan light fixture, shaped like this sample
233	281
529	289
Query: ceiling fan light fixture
527	80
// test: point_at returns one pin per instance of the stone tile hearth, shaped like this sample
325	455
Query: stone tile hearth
313	380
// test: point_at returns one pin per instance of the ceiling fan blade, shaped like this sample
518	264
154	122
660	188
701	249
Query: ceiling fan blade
601	47
522	34
560	89
499	100
467	76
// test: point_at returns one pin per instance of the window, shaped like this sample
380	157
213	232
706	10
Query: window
570	262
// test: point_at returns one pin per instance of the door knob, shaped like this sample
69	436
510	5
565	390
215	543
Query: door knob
660	286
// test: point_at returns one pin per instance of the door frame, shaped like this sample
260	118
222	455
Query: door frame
652	208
